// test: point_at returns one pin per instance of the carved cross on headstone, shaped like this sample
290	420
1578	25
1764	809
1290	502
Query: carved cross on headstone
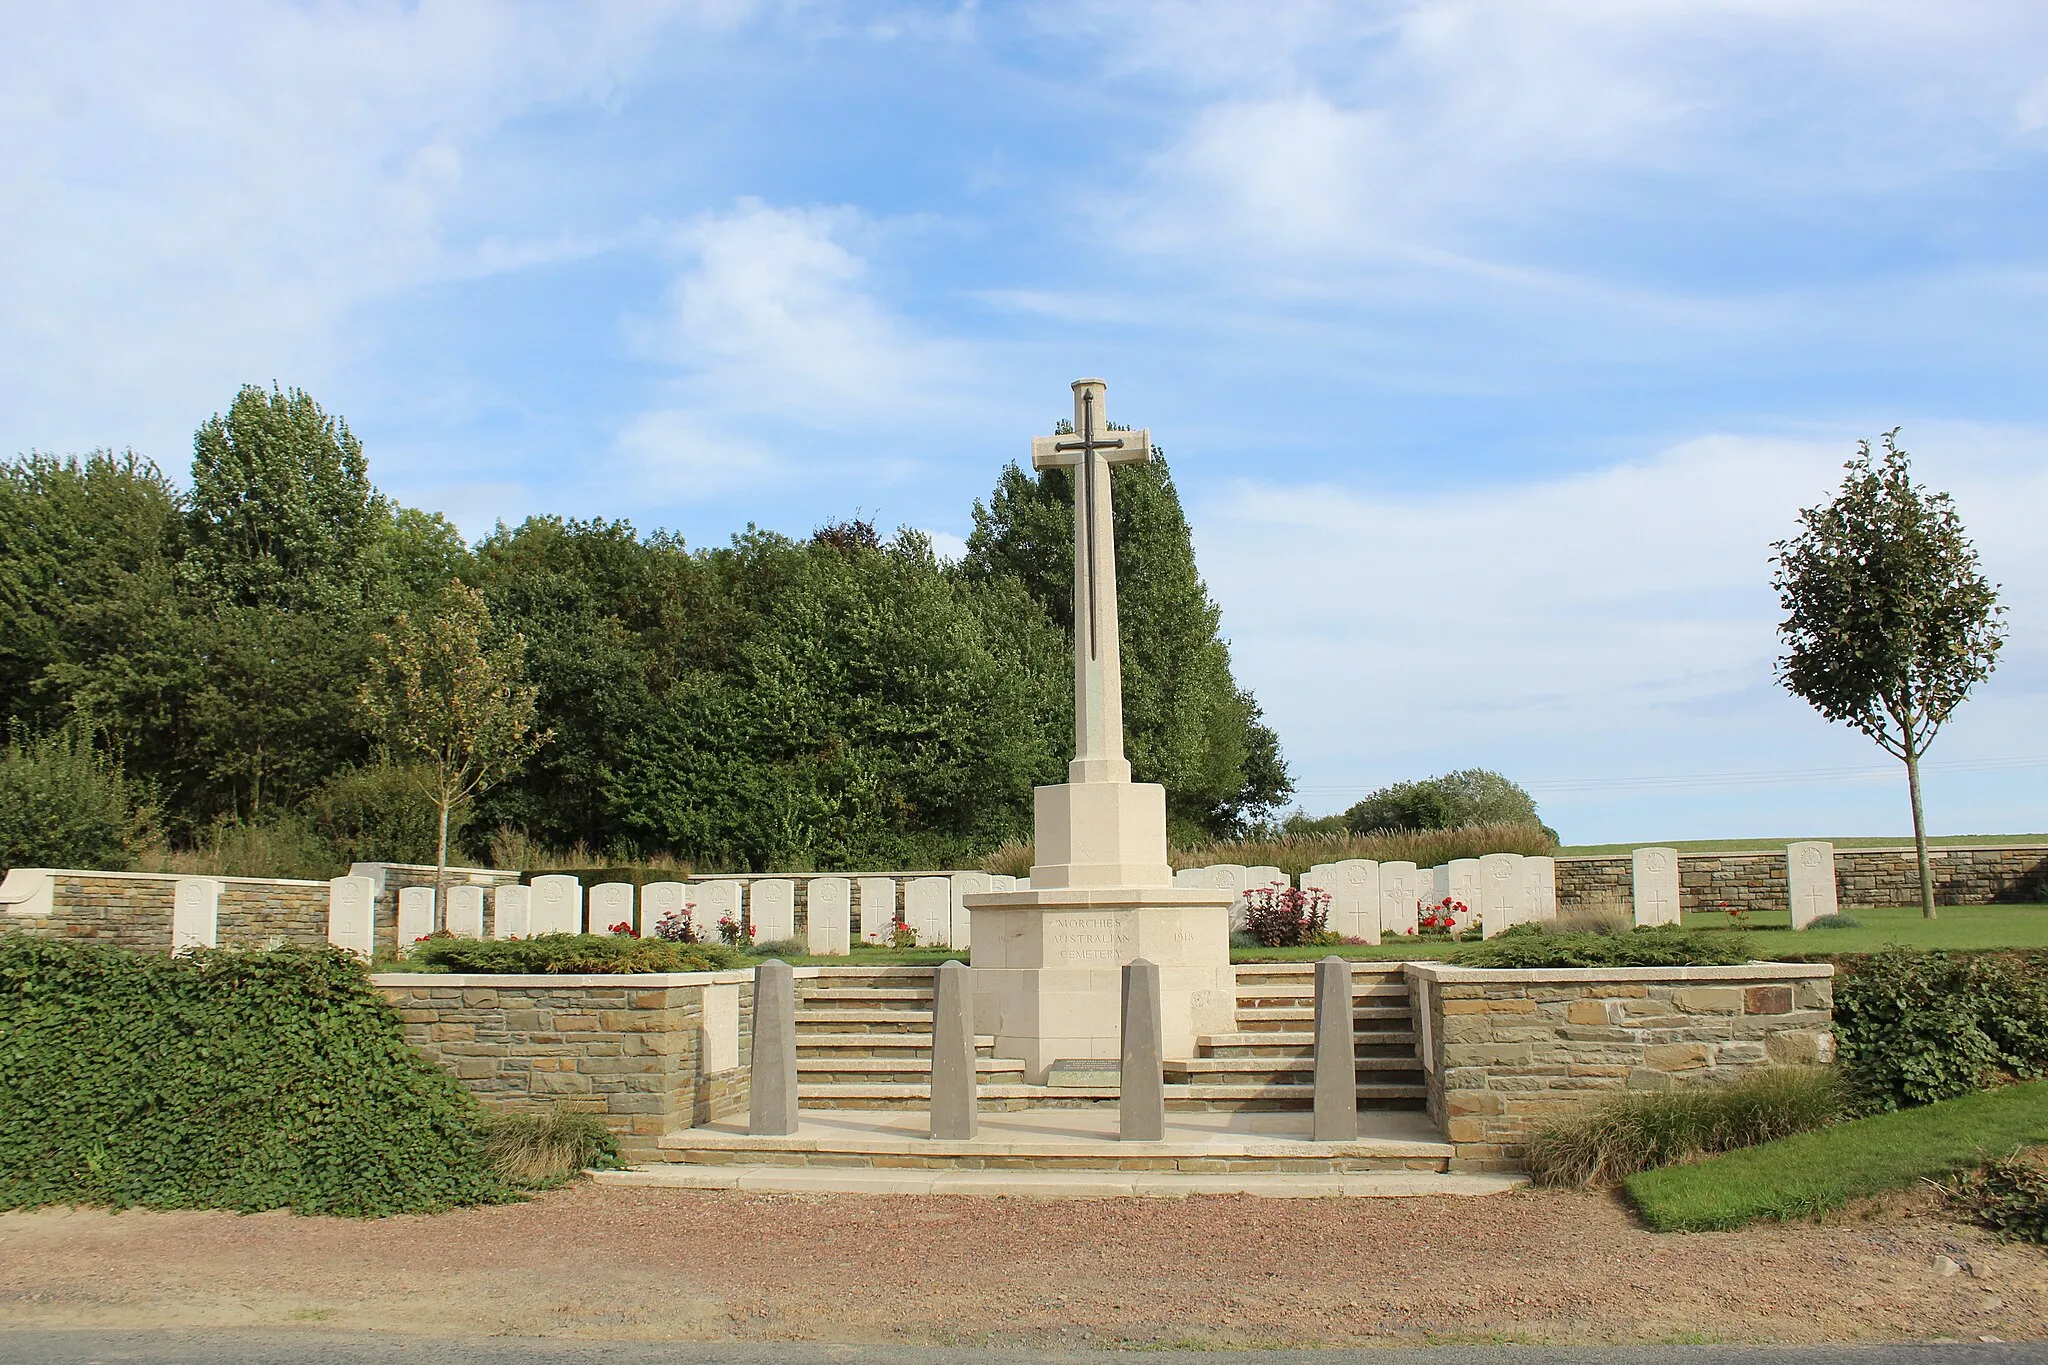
1098	672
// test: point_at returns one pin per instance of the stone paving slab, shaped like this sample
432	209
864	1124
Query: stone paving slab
1060	1185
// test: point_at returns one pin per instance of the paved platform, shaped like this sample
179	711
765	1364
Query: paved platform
1038	1184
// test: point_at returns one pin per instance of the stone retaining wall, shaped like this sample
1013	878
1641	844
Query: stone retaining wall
133	910
1504	1050
1864	877
630	1049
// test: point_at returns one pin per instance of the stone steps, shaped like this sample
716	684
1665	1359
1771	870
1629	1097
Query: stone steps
892	1070
1276	1042
1181	1097
877	1044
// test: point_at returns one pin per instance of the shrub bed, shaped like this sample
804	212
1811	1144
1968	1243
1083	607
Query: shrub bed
1917	1027
568	955
222	1079
1662	946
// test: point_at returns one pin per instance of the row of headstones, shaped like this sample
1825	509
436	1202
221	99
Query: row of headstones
765	909
1372	901
1809	883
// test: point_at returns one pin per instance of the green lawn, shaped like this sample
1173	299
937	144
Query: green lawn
1778	845
1813	1172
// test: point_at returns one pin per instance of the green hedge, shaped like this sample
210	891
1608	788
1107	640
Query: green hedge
222	1079
1917	1027
1662	946
570	954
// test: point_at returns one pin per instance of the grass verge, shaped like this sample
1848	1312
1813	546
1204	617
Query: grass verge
1811	1173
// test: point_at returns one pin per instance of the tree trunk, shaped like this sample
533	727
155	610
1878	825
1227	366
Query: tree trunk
441	861
1919	826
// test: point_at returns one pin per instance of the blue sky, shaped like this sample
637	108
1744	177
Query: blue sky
1491	344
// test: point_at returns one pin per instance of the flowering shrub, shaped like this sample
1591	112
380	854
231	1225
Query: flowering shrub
1445	917
674	928
1280	916
1738	916
625	928
732	931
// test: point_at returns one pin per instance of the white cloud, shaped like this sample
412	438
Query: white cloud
674	456
202	198
1616	623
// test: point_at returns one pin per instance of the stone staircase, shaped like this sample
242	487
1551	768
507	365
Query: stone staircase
864	1042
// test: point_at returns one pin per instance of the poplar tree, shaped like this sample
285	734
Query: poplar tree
1889	623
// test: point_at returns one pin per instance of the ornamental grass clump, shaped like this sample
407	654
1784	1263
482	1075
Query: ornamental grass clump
1604	1146
223	1079
539	1151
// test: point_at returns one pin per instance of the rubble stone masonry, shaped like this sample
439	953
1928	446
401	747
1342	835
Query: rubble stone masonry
1503	1050
1864	877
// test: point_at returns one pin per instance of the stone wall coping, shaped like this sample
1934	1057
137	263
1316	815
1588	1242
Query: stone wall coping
1933	851
161	876
1448	975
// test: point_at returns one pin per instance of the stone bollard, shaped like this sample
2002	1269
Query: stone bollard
1141	1098
771	1094
954	1101
1336	1118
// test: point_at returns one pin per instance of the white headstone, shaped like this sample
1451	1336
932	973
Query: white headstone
1656	885
352	914
1810	881
465	917
1190	876
610	903
658	900
195	913
557	905
828	915
1355	898
1539	882
1230	877
512	912
1001	883
1462	886
774	901
1399	894
1433	884
1265	876
1503	902
928	909
716	903
415	915
966	884
877	908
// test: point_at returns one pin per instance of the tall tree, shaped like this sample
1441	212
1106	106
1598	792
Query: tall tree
448	695
1187	723
1888	622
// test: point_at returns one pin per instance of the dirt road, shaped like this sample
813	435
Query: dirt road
640	1263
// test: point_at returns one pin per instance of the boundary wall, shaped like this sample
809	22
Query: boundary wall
1864	878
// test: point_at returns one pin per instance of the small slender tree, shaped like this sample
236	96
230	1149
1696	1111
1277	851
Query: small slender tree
1889	623
444	692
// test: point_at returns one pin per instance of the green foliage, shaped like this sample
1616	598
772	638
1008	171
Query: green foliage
1295	854
64	803
868	710
1810	1173
571	955
281	845
1916	1027
540	1151
1187	723
1635	1132
1837	921
1470	796
222	1079
1658	946
2008	1195
379	813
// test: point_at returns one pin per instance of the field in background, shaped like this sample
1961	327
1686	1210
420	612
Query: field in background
1778	845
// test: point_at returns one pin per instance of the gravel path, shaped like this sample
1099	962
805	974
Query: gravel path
595	1261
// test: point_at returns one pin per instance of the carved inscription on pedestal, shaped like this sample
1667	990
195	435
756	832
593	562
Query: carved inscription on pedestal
1089	941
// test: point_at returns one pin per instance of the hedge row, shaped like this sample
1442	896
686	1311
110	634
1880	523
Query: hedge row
222	1079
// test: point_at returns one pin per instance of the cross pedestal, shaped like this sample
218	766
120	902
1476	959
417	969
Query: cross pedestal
1048	961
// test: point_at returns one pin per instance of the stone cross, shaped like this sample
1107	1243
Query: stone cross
1098	671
